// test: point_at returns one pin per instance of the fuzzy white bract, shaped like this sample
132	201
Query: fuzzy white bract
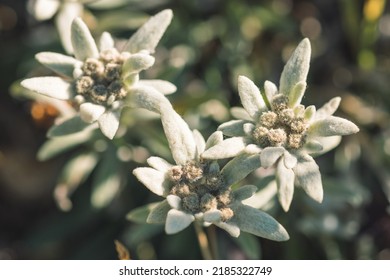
284	133
101	80
196	190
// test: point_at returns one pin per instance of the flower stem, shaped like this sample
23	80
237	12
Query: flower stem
203	242
212	234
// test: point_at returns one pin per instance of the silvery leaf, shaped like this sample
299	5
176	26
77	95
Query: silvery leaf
43	9
106	42
296	94
158	214
261	198
109	123
199	140
55	146
83	43
289	160
152	179
296	68
309	113
270	155
308	176
332	126
270	90
313	146
257	222
212	216
174	201
239	167
327	143
107	180
252	149
214	167
136	63
149	34
227	148
233	128
240	113
63	21
251	98
162	86
73	174
90	112
50	86
248	128
140	214
285	182
244	192
180	139
328	108
177	221
159	164
69	126
148	98
62	64
214	139
230	228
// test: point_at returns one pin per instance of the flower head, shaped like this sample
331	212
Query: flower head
196	189
284	132
100	80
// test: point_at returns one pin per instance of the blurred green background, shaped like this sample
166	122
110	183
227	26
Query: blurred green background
208	44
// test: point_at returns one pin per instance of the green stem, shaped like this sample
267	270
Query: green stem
203	242
212	234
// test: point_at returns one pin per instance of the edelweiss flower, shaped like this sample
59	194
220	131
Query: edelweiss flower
101	81
283	131
197	190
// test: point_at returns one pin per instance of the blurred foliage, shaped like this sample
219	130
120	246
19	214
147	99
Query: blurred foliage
207	45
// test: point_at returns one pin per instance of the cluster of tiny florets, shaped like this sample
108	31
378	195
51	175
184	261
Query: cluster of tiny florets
280	127
201	190
99	80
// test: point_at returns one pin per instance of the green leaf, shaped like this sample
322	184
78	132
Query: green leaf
244	192
239	167
69	126
296	94
158	214
84	45
285	182
332	126
74	173
153	179
149	34
140	214
308	177
62	64
54	87
58	145
296	68
107	179
233	128
230	147
258	223
251	98
249	244
177	221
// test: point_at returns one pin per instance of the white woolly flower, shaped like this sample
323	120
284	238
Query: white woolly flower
100	80
197	190
285	133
